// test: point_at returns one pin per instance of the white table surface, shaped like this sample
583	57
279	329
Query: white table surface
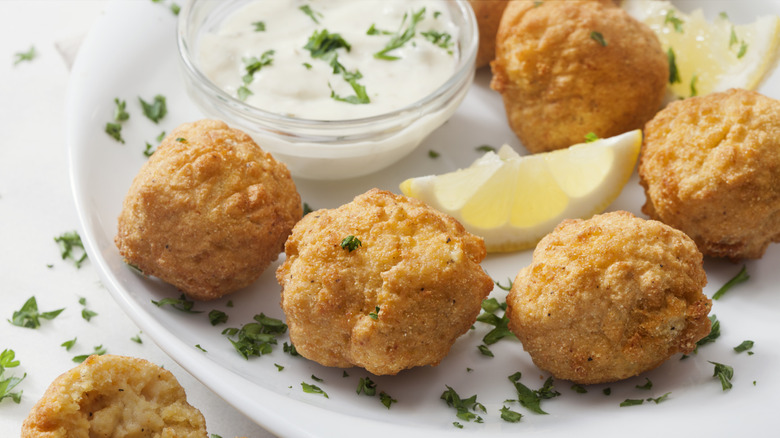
36	205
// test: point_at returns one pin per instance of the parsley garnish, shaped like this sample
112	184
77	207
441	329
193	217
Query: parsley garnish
137	339
676	22
256	338
175	8
714	332
485	350
659	399
311	13
441	39
485	148
181	140
366	386
591	137
243	92
693	85
155	110
744	346
723	372
7	360
160	137
200	348
217	317
28	315
67	242
510	415
374	31
674	74
402	36
259	26
181	303
254	65
741	277
278	367
579	389
69	344
599	38
530	399
433	154
306	209
120	115
500	323
375	314
462	406
607	391
647	386
115	131
733	37
149	151
313	389
25	56
290	349
98	350
323	45
351	243
87	314
386	400
631	402
507	288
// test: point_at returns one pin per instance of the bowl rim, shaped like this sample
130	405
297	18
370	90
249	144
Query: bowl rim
465	66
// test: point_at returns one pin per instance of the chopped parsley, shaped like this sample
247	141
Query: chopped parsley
485	350
69	344
256	338
155	110
137	339
259	26
507	288
28	315
463	407
149	150
647	386
531	399
579	389
217	317
323	45
366	386
742	50
253	65
374	31
433	154
724	373
733	37
694	78
607	391
311	13
675	21
290	349
500	323
510	415
405	33
674	74
306	209
631	402
114	130
97	350
599	38
175	8
160	137
7	384
313	389
741	277
351	243
485	148
67	242
25	56
87	314
744	346
375	314
243	92
200	348
441	39
591	137
659	399
386	399
713	334
278	367
181	304
120	115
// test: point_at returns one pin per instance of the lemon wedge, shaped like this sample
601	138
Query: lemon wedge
711	56
512	201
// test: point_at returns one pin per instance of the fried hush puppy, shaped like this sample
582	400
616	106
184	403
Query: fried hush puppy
114	396
568	68
384	282
608	298
710	166
488	13
208	212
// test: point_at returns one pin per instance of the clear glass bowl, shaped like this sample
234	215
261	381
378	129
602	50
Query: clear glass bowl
321	149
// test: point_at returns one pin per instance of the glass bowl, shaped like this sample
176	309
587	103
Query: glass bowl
323	149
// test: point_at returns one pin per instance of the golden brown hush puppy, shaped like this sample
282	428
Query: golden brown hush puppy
568	68
384	282
114	396
710	166
208	212
488	13
608	298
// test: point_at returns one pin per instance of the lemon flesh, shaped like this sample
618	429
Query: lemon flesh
512	201
711	56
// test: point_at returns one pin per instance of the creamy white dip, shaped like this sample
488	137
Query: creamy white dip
296	84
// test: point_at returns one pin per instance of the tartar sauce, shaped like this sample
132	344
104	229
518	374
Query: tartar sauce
282	55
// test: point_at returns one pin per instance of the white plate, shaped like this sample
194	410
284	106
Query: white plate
131	52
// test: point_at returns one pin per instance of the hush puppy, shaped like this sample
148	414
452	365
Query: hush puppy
114	396
710	166
488	13
608	298
384	282
208	212
568	68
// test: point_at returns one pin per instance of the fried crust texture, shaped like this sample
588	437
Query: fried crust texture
710	166
488	13
117	397
609	298
398	300
568	68
208	212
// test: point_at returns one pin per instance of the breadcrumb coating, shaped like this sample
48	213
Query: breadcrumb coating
609	298
397	301
710	166
117	397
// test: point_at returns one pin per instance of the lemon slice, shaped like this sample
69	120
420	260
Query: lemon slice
513	201
711	56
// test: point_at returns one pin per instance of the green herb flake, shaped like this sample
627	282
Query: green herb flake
254	64
530	399
631	402
182	304
375	314
741	277
97	350
374	31
591	137
149	150
607	391
694	79
279	368
307	65
440	39
648	385
344	374
88	314
256	338
510	415
155	110
458	425
28	315
217	317
405	33
724	373
674	74
120	114
160	137
69	344
713	334
290	349
675	21
507	288
599	38
579	389
259	26
68	242
175	9
463	407
433	154
137	339
485	350
386	400
733	37
723	15
744	346
742	49
114	130
500	323
311	13
214	435
659	399
351	243
306	209
485	148
200	348
25	56
313	389
366	386
243	92
7	384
